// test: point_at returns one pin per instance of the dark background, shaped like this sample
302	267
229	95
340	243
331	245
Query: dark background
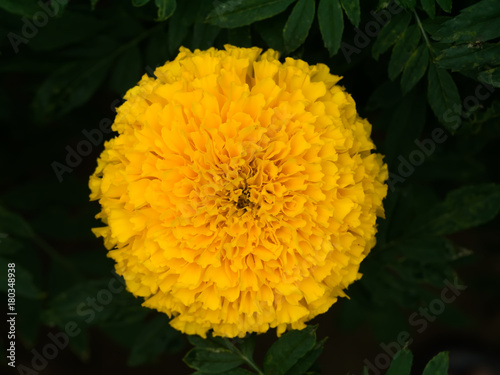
71	74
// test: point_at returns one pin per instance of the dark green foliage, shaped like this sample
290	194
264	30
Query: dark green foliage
425	73
293	354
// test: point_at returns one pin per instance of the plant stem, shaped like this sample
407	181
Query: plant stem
248	361
422	31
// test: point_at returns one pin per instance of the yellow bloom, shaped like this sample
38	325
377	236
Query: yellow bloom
241	193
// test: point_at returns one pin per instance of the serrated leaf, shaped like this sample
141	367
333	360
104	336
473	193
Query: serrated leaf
491	77
73	304
288	350
415	68
298	25
306	362
403	50
463	208
165	9
445	5
432	25
401	363
437	365
331	24
465	57
248	345
212	360
478	22
139	3
390	33
352	10
232	13
443	97
429	7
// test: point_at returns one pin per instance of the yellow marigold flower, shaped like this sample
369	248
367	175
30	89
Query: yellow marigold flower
241	193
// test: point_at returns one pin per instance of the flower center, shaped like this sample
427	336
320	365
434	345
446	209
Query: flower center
243	199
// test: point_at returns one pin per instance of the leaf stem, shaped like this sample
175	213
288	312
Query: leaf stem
248	361
422	31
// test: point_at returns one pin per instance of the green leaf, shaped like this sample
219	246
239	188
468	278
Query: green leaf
126	71
204	35
491	77
212	360
352	10
180	24
406	125
415	68
445	5
401	363
69	87
407	4
13	224
165	9
241	13
429	7
247	345
24	283
437	365
298	25
390	33
271	31
478	22
157	52
463	208
331	24
443	97
307	360
288	350
426	250
139	3
20	7
236	371
66	31
9	245
155	338
93	3
93	302
465	57
403	50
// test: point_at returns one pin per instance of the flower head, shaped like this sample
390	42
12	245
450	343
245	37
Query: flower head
241	193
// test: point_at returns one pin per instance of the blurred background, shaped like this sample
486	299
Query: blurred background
65	68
